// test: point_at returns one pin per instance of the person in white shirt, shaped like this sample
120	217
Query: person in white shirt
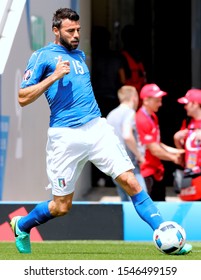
122	118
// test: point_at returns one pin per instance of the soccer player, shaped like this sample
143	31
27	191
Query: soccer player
77	133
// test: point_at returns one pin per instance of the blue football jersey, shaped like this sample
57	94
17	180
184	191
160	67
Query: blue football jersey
71	99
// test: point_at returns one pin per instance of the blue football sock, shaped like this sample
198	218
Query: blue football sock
146	209
39	215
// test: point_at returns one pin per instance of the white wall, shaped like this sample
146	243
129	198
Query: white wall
25	172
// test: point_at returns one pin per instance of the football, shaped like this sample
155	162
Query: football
169	238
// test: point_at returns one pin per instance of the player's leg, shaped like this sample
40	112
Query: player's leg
121	193
110	156
141	180
42	213
63	169
46	211
142	202
144	205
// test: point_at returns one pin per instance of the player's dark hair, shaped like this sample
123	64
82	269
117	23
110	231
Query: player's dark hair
61	14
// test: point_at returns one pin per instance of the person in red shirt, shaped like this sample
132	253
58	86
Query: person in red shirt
189	138
149	132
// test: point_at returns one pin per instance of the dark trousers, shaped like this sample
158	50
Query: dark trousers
156	189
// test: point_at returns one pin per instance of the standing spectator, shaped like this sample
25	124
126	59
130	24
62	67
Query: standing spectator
188	137
122	118
135	74
148	127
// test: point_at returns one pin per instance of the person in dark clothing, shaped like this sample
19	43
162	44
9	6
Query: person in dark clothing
107	72
135	74
107	68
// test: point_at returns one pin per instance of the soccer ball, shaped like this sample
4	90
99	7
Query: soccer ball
169	238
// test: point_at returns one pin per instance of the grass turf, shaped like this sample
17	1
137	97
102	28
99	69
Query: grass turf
93	250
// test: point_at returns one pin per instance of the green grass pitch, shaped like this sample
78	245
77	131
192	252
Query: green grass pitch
93	250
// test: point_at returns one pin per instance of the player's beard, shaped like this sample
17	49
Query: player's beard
66	44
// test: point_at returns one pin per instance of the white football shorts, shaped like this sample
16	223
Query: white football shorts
69	149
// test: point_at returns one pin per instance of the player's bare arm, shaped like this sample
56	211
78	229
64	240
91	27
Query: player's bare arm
32	93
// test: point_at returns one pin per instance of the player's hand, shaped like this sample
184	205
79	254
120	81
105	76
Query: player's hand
62	68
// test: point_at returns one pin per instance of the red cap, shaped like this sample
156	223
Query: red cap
151	90
192	95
